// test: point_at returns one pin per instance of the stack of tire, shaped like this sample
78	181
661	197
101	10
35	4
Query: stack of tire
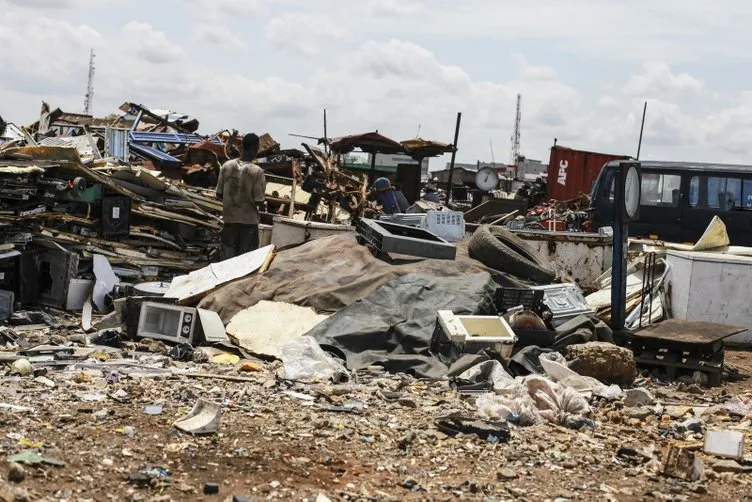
500	249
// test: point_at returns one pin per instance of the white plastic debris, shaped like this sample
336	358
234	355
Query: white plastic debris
534	399
203	418
729	444
556	368
304	359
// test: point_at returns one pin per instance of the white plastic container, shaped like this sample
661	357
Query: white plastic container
473	332
449	225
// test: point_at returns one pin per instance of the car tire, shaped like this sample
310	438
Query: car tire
501	250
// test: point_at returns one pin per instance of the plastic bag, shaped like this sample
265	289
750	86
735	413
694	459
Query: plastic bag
556	368
489	371
304	359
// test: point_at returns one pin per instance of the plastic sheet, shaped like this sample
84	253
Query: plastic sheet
556	368
304	359
535	399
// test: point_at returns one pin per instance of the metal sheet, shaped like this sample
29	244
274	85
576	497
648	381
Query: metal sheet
154	154
565	301
571	172
696	332
116	143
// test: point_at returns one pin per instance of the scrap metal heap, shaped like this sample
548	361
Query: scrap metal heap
137	188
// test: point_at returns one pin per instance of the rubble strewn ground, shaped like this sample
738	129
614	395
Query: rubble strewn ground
372	438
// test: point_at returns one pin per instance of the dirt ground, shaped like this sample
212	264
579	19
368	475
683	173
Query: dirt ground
273	444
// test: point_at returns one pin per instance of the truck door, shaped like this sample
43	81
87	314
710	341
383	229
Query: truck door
660	206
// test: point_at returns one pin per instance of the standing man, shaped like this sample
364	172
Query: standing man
242	189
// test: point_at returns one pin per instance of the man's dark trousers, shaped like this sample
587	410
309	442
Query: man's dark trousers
238	238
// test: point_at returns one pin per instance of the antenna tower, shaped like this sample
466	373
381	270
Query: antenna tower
89	98
516	134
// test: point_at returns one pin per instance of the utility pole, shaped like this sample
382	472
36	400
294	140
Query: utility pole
89	98
516	134
642	128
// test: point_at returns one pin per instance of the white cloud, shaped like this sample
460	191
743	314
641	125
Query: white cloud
153	45
42	55
45	4
657	79
226	8
395	8
220	35
302	34
583	77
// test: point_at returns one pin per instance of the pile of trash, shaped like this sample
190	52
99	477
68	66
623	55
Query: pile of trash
568	215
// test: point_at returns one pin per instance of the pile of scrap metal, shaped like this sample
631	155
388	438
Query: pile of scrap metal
158	139
567	215
647	299
56	214
533	192
166	144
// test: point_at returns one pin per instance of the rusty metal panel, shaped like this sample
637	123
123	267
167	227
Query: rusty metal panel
693	332
571	172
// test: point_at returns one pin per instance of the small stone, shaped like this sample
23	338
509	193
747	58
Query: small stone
16	472
409	483
638	397
505	474
677	412
516	492
569	464
408	402
701	489
615	417
638	413
727	466
603	361
250	367
211	488
275	484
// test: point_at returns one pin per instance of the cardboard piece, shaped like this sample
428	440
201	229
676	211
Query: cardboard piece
192	287
268	326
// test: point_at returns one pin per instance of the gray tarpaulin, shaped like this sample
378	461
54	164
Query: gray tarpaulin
331	273
394	325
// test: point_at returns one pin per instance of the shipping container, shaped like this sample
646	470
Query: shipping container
572	172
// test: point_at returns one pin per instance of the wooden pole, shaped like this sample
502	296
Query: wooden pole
454	155
291	212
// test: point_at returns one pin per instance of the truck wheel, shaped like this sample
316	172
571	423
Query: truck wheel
501	250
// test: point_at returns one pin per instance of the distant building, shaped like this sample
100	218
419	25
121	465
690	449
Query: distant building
525	169
503	169
383	159
385	164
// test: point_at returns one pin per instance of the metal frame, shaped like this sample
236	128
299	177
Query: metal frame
387	237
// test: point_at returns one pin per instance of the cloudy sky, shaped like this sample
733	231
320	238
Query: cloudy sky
583	67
